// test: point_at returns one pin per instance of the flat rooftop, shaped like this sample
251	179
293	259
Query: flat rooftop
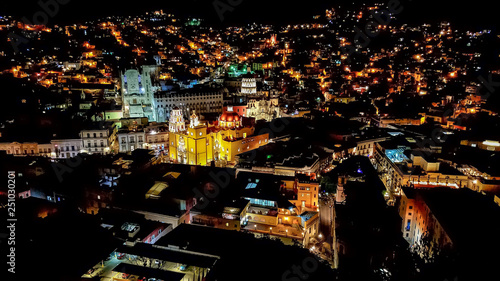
170	255
307	215
148	272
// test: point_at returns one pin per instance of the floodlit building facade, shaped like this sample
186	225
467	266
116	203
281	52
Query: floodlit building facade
129	140
200	144
418	220
137	93
99	139
249	86
201	99
63	148
292	212
263	109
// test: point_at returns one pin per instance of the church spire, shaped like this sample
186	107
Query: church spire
194	121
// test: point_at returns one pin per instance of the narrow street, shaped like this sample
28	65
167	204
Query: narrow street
327	217
327	223
104	272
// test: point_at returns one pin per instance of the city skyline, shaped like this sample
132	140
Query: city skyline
249	140
478	15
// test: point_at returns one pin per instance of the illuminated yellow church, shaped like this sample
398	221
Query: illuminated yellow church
200	144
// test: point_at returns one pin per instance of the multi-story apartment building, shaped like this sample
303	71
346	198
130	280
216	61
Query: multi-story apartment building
281	206
366	147
307	193
249	85
131	139
418	219
60	148
156	137
460	219
65	148
17	148
99	138
48	149
203	99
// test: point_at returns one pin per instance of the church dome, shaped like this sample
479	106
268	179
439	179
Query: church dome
230	116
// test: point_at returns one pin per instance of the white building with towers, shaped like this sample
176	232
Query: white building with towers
143	96
176	122
138	90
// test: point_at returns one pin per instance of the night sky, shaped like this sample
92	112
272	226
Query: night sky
478	14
